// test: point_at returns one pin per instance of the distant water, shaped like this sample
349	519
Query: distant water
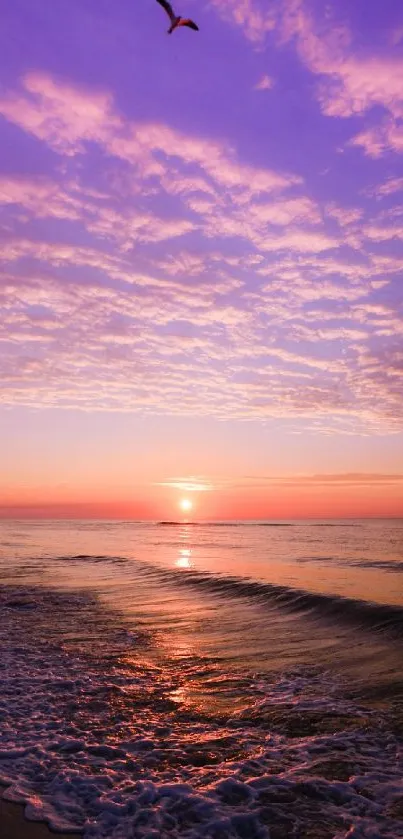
211	680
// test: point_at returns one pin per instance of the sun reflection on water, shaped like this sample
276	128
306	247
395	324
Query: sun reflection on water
184	558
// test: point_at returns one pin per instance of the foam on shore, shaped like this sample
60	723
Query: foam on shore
98	738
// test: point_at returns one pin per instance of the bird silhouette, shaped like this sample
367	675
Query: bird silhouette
175	20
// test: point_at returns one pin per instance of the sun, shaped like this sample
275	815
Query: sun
185	505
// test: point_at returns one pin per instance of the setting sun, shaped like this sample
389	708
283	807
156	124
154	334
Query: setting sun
185	505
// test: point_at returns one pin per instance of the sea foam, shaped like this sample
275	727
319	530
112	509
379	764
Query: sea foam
95	737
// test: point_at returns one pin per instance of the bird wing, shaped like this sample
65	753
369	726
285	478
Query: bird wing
168	8
190	23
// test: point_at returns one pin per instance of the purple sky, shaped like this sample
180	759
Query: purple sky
201	241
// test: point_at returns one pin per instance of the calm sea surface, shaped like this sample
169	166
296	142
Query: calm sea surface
217	680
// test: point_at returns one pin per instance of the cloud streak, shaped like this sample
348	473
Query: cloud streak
154	270
351	82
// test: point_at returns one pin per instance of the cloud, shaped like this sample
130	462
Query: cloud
182	279
338	478
345	215
254	18
67	118
397	36
188	484
206	175
227	197
287	211
390	186
250	482
41	196
375	141
59	114
44	198
381	233
351	81
265	83
358	478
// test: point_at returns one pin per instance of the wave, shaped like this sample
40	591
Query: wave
333	524
374	616
105	744
175	523
395	565
112	560
383	564
225	524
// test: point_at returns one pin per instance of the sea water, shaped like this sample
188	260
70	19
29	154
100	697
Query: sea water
203	680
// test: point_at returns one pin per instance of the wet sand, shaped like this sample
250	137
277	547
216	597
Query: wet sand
14	825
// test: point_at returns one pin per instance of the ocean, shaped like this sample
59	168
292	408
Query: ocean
203	680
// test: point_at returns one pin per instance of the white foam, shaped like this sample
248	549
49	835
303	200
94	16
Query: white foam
98	741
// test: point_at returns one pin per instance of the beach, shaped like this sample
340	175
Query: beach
181	680
15	826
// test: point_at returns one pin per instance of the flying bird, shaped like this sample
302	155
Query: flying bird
176	21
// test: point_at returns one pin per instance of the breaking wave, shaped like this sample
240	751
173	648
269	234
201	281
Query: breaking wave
190	523
375	616
225	524
98	738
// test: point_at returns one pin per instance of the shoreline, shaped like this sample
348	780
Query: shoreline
14	825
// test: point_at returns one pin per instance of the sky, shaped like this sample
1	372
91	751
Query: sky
201	241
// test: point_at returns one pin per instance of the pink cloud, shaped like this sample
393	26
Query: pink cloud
382	234
303	241
344	215
59	114
254	18
390	186
198	326
44	198
66	118
287	211
377	140
265	83
361	84
350	83
41	196
65	128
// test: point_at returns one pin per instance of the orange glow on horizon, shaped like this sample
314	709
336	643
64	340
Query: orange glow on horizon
293	497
